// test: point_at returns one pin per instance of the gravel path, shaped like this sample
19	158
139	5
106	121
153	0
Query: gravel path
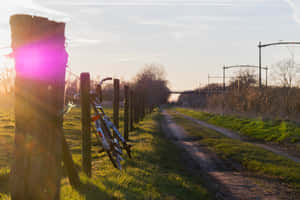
236	136
230	183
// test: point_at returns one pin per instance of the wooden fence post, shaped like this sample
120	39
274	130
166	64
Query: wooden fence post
139	108
40	62
99	93
86	122
126	111
131	104
143	107
69	165
136	105
116	102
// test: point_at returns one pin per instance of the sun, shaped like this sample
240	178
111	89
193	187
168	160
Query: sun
6	61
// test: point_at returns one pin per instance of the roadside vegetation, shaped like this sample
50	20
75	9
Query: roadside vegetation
155	172
278	131
250	157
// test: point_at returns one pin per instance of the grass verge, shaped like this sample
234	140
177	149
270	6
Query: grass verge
262	130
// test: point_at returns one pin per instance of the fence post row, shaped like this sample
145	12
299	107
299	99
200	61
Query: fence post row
39	101
126	111
86	122
116	102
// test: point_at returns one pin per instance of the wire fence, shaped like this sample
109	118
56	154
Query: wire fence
80	93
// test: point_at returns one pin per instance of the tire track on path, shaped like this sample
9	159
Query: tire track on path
236	136
230	184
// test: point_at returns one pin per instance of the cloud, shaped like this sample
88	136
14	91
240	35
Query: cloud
296	10
31	7
178	35
124	60
219	3
83	41
5	50
131	58
209	18
160	22
205	3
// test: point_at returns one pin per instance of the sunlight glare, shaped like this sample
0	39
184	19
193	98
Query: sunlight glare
6	61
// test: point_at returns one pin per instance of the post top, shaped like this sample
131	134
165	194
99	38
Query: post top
26	29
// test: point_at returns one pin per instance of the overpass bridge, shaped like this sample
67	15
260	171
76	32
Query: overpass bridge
197	92
183	92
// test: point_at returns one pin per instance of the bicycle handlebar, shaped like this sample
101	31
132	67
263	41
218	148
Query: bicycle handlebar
105	79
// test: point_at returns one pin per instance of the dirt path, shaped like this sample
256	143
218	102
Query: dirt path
229	183
236	136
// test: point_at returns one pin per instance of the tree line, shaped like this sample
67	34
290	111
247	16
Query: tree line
150	84
243	96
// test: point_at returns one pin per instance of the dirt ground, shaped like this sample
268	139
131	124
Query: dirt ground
275	149
228	180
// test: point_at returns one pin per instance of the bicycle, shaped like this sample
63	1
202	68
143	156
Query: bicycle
107	134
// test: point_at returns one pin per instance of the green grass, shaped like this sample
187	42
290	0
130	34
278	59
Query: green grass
252	158
155	172
262	130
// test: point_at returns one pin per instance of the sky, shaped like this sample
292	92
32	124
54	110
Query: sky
190	38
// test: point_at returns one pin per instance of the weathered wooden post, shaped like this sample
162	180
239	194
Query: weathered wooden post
131	104
143	107
99	92
40	62
116	101
126	111
86	122
135	113
69	165
139	108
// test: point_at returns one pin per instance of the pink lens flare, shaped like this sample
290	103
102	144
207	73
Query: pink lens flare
41	60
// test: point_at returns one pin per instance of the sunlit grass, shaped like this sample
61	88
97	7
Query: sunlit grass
257	129
155	172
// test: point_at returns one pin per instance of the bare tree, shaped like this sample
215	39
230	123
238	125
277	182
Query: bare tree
151	84
286	73
243	79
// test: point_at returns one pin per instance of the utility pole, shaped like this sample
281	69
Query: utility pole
224	68
259	65
267	77
208	84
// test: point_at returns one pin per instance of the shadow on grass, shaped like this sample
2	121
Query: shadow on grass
92	192
4	179
156	172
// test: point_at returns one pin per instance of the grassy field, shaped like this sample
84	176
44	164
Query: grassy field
155	172
262	130
252	158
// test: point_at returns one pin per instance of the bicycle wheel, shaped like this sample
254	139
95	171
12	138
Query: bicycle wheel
114	162
128	149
